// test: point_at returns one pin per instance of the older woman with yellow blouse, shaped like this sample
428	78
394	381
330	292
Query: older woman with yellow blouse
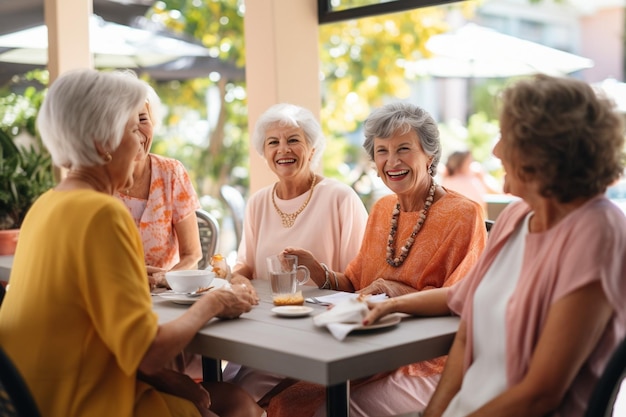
78	320
419	238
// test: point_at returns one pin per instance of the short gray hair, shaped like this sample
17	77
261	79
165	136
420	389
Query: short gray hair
153	99
83	107
285	114
400	118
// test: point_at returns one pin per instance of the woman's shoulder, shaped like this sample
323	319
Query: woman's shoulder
458	202
597	214
384	203
165	164
260	195
336	187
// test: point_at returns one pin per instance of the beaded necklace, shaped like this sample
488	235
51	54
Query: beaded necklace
392	259
288	219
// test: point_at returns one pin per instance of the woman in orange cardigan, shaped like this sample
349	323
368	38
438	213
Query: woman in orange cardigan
418	238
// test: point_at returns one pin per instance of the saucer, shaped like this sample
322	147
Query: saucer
292	311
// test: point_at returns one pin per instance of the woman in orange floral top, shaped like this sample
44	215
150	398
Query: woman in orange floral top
163	203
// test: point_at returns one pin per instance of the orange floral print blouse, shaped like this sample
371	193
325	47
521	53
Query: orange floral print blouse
172	199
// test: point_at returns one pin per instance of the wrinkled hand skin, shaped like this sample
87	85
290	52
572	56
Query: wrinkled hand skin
235	300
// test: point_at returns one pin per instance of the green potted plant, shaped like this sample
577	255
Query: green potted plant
25	165
25	174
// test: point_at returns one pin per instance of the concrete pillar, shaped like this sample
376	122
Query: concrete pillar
282	64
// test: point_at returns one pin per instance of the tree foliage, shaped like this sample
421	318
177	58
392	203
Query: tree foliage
362	65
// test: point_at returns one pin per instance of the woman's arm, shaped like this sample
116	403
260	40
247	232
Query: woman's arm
452	377
423	303
573	328
390	287
173	336
189	249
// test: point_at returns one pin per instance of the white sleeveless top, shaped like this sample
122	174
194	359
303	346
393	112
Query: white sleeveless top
486	376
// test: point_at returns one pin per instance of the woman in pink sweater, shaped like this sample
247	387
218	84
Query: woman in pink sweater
543	308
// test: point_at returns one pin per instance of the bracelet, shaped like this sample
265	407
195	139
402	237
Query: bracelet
326	285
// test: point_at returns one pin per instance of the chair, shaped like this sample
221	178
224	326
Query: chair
604	393
15	397
209	231
237	206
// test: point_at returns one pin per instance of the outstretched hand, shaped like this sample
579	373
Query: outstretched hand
378	309
235	300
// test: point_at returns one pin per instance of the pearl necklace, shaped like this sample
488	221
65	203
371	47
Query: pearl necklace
396	261
288	219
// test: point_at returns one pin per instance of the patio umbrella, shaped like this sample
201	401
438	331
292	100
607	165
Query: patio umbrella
113	46
473	51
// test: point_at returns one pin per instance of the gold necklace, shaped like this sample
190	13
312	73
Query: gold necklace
397	260
288	219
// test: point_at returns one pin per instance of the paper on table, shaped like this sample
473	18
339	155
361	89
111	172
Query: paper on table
337	297
345	316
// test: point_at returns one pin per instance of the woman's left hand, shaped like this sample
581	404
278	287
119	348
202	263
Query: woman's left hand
386	286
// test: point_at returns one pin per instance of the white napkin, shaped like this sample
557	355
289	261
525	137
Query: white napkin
337	297
345	315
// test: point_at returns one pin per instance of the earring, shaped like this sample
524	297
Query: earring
107	158
430	170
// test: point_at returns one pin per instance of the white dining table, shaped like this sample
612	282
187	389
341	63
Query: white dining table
296	348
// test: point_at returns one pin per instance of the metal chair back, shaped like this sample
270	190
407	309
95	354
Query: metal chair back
606	390
209	231
237	206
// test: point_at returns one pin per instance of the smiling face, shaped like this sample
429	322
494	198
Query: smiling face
146	127
402	163
287	151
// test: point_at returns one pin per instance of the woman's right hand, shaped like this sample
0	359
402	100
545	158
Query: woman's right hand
307	259
156	277
234	300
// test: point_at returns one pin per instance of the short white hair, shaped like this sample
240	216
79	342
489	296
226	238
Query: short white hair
285	114
83	107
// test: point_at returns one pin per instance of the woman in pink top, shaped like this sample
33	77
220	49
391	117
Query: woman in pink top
301	209
543	309
163	203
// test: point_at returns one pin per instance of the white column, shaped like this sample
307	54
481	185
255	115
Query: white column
68	35
282	64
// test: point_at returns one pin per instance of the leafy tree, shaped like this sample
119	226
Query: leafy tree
219	26
362	63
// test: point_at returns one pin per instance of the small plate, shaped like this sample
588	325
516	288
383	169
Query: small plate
190	299
292	311
387	321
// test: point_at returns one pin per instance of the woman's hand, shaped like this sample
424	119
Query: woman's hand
234	300
238	279
379	310
307	259
156	277
386	286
